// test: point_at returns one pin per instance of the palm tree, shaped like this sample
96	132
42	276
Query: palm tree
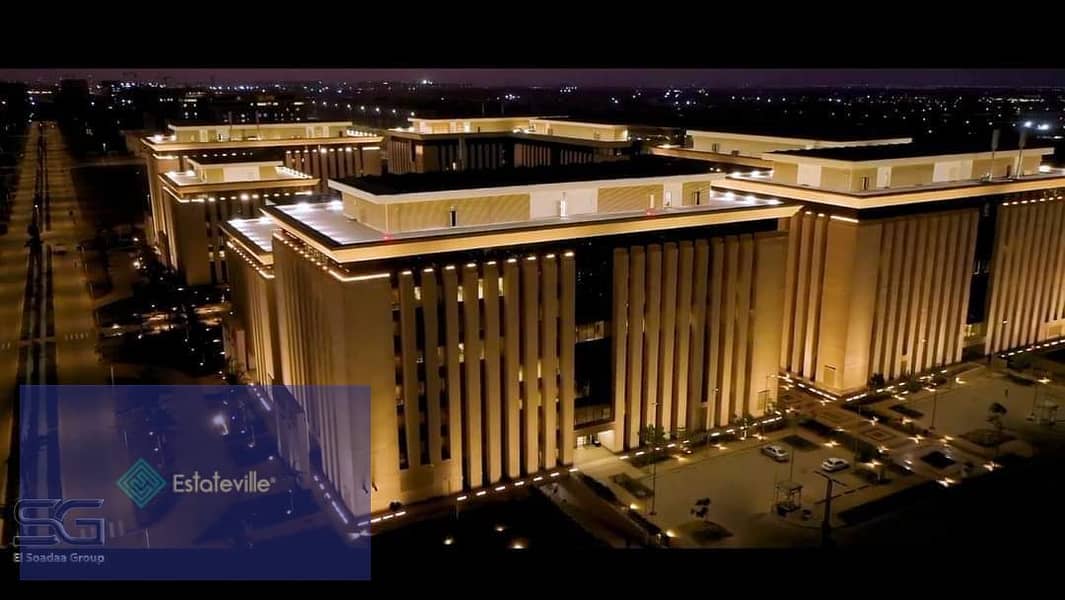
654	436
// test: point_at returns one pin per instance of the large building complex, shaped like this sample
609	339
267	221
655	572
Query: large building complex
216	188
746	147
461	144
491	341
321	150
905	255
503	317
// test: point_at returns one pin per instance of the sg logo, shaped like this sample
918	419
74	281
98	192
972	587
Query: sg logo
54	511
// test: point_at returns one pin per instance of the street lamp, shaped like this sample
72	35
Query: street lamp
935	403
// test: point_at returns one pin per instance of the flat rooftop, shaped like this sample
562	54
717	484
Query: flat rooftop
326	227
911	150
800	131
637	167
236	157
269	122
283	174
258	233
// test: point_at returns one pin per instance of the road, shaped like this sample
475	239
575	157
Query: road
50	333
13	286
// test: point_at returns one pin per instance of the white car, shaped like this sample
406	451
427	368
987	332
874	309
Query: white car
59	248
776	453
834	464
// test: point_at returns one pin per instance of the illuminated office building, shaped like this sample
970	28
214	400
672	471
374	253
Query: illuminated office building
504	317
908	257
501	318
461	144
321	150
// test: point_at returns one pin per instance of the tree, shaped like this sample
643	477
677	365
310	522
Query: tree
701	510
912	384
654	436
876	381
995	414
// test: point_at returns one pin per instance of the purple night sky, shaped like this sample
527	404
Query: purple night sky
586	77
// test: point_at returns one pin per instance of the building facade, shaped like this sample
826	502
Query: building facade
491	346
907	258
430	145
196	202
502	318
319	149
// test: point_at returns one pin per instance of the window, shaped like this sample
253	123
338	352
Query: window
715	148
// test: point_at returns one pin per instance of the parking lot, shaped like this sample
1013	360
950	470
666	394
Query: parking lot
741	483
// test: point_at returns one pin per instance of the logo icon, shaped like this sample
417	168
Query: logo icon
53	521
141	483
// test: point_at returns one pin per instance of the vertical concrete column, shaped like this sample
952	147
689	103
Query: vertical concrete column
802	294
767	313
549	358
431	334
893	333
636	327
793	228
732	265
1018	288
1029	285
996	283
1039	278
910	282
530	313
973	220
683	335
880	316
511	367
696	362
860	311
744	388
945	295
454	378
567	343
716	410
929	259
666	399
813	307
652	313
493	414
1056	310
952	330
472	354
409	366
620	344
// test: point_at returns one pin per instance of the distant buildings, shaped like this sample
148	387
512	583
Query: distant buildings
461	144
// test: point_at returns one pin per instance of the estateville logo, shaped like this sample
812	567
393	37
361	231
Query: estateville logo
142	483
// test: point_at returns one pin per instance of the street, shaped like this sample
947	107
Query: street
50	336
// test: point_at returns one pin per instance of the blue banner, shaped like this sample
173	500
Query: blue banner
193	482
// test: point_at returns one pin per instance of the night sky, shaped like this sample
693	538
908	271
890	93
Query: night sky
584	77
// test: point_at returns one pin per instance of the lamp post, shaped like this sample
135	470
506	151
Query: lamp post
935	403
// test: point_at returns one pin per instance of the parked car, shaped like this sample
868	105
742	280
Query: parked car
776	453
59	249
834	464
